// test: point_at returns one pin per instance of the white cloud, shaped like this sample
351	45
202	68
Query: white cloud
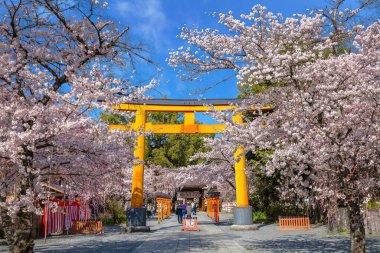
148	18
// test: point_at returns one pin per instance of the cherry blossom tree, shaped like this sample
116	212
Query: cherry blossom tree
158	179
324	127
214	168
218	167
58	61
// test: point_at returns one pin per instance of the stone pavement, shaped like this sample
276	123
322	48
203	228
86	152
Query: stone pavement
168	237
318	239
164	237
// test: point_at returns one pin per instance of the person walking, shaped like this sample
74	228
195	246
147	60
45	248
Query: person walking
149	210
194	208
184	210
178	211
188	211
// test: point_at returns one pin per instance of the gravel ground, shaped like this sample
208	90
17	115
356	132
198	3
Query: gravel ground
168	237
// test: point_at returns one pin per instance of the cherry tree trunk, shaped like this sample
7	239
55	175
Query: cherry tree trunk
357	230
18	228
19	233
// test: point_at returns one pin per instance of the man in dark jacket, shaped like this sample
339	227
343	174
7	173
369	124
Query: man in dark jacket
178	211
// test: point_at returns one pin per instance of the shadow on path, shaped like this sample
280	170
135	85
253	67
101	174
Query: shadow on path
307	243
168	237
92	246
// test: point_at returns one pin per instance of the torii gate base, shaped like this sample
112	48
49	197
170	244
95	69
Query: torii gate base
136	217
243	219
137	213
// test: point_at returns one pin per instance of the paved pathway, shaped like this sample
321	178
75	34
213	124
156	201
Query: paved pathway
269	239
168	237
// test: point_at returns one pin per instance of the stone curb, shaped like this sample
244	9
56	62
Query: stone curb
134	229
244	227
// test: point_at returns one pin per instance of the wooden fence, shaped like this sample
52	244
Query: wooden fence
59	219
294	223
213	208
87	227
164	206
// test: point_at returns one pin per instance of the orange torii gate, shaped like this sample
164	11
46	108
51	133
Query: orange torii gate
242	212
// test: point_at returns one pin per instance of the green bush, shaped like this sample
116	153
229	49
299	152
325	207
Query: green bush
275	210
373	205
115	213
343	231
116	221
107	221
121	220
259	217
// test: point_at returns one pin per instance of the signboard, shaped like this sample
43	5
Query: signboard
190	225
228	206
190	195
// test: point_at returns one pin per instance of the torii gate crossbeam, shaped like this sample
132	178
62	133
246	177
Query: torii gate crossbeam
188	107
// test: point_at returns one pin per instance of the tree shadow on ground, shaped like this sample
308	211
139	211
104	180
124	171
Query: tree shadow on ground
91	246
305	243
179	226
112	228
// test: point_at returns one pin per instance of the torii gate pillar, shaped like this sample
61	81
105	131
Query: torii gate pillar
138	168
242	211
136	215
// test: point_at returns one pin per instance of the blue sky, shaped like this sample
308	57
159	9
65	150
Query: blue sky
156	23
